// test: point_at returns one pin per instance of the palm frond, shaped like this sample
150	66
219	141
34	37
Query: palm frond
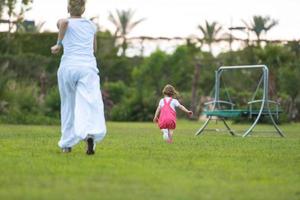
134	24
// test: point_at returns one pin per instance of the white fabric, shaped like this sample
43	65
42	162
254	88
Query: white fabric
78	41
174	103
165	134
82	111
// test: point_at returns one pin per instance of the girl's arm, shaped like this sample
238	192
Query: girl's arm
155	119
181	107
62	25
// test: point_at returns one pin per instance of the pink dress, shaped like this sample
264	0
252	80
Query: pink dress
167	116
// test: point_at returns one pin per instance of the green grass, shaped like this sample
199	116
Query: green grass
134	163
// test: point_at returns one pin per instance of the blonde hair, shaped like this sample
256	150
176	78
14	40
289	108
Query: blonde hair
76	7
170	91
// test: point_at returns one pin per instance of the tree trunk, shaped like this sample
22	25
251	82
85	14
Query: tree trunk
124	46
293	111
272	85
142	47
43	87
194	88
210	47
258	41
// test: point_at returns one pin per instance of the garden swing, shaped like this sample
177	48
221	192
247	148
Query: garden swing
218	110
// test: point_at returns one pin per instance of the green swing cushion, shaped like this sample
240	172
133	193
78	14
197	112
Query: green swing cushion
226	113
236	113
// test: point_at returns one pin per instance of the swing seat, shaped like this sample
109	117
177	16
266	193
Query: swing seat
227	113
237	113
232	113
223	112
255	112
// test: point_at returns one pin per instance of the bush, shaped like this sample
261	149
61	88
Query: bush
22	97
24	105
115	90
140	106
52	103
21	118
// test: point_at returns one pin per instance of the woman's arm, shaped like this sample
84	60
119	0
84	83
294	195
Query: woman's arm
95	43
62	25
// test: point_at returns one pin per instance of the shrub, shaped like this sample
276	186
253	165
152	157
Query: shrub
115	90
52	103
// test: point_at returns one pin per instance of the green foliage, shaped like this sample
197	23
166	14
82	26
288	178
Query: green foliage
32	119
274	56
290	84
119	68
26	66
132	85
289	81
25	106
52	103
22	98
181	67
153	74
140	105
116	90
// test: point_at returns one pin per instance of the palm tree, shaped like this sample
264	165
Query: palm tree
210	32
2	4
259	25
14	14
124	23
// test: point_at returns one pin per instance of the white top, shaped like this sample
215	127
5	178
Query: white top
78	41
174	103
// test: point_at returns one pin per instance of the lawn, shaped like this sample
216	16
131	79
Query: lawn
134	163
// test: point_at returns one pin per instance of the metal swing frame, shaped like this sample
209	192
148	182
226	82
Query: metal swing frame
264	107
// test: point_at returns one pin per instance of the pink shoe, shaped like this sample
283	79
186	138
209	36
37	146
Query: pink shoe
170	141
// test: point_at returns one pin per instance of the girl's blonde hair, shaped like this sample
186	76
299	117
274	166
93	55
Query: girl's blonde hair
170	91
76	7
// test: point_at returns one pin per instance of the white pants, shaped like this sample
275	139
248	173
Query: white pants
82	112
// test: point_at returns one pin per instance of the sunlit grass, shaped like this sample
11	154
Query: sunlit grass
134	163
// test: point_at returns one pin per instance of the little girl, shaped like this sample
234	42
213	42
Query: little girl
82	114
165	114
